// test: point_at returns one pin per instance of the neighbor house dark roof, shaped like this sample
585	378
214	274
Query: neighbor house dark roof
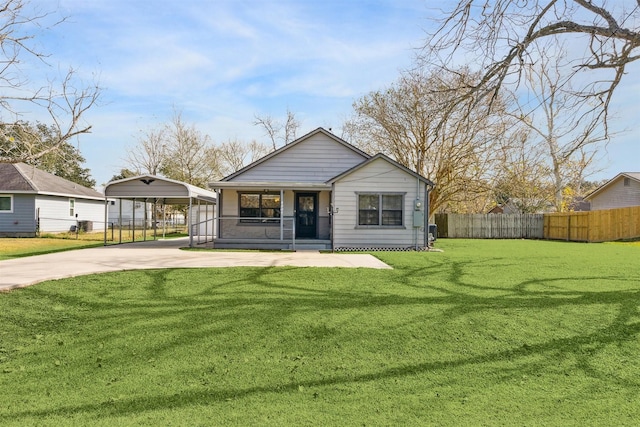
23	178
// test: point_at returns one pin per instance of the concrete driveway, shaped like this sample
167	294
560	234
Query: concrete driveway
20	272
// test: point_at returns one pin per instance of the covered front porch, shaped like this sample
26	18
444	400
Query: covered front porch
268	215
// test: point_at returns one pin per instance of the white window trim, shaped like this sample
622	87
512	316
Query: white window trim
10	196
380	226
72	213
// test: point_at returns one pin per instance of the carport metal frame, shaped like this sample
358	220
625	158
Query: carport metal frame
157	189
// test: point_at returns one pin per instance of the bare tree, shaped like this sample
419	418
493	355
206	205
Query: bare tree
569	131
271	126
149	155
188	153
522	175
401	121
233	155
274	128
291	127
499	36
64	103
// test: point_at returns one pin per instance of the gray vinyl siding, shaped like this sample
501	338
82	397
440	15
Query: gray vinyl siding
55	216
317	159
20	222
377	177
616	195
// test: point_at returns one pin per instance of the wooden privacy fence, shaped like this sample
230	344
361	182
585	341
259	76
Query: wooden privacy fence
490	226
593	226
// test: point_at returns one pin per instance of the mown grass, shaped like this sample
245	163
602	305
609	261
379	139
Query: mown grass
21	247
57	242
485	333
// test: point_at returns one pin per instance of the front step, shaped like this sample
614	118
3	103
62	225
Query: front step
311	247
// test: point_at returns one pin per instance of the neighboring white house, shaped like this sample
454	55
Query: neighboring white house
33	201
620	192
321	192
123	212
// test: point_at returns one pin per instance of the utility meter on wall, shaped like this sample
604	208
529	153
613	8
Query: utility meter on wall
418	214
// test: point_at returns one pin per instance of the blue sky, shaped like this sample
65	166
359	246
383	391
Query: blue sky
221	62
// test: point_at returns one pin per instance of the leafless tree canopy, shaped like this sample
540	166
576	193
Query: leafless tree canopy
276	130
180	151
498	35
65	103
566	131
401	122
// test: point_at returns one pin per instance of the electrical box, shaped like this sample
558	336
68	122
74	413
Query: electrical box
418	214
418	219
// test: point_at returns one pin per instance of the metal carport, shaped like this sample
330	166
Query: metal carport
159	190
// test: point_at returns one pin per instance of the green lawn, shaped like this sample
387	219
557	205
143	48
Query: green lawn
484	333
20	247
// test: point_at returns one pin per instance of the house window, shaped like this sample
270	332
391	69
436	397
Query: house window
260	207
72	207
6	203
380	209
627	182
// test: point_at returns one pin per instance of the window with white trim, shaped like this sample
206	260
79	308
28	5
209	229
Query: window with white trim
380	209
72	207
260	207
6	203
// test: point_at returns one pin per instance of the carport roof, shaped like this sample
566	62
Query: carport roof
156	187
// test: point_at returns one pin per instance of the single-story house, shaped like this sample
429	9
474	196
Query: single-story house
320	192
621	191
33	201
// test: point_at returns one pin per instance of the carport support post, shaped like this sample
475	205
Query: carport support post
106	206
120	221
198	221
145	221
134	220
189	222
164	218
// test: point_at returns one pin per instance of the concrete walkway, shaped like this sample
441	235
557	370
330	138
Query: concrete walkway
20	272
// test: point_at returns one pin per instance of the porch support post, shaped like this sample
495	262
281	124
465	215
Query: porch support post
281	214
331	214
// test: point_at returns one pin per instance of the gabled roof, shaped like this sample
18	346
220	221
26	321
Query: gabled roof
27	179
387	159
293	144
153	186
635	176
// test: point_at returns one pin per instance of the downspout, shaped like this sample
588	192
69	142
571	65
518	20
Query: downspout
427	209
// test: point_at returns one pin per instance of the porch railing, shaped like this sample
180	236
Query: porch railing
281	229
